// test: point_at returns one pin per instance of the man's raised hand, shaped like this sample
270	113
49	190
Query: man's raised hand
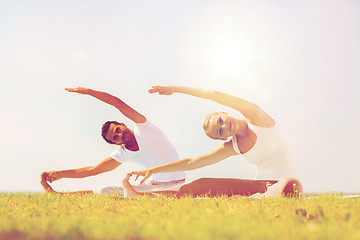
80	90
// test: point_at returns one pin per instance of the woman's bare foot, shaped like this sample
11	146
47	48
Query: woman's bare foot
44	184
288	187
257	195
129	191
292	188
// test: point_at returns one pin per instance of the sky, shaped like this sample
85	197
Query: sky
298	60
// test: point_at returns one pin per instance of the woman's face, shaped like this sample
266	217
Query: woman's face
221	126
118	134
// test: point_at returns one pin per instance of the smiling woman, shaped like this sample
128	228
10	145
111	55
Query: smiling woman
220	125
255	137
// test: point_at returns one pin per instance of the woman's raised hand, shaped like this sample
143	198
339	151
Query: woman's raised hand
162	90
146	173
80	90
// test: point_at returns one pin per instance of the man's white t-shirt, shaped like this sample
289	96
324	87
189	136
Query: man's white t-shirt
154	150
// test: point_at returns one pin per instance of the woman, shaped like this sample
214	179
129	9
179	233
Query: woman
255	137
145	145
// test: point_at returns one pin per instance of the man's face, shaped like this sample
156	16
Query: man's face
118	134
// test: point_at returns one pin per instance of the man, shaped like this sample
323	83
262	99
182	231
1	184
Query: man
145	145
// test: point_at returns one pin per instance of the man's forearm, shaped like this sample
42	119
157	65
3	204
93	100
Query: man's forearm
76	173
125	109
105	97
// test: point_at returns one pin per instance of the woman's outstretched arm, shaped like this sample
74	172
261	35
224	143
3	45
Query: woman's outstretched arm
222	152
253	113
125	109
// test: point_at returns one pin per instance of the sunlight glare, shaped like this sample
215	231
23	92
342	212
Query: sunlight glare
228	56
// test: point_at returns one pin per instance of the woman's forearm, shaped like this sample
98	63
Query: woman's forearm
220	153
216	96
187	164
250	110
196	92
180	165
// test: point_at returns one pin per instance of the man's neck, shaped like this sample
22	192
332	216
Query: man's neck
132	145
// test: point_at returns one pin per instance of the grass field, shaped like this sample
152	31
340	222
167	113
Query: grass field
52	216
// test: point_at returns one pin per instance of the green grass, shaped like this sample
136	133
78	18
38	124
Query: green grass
52	216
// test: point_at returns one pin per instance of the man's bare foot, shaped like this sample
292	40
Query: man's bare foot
47	188
129	191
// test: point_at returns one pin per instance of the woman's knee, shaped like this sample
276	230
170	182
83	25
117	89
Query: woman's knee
195	187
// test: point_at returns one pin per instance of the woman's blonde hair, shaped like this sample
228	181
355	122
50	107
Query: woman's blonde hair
205	124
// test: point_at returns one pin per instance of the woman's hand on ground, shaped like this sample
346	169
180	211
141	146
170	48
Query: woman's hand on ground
80	90
145	173
162	90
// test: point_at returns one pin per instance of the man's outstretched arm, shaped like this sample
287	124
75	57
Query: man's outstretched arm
104	166
125	109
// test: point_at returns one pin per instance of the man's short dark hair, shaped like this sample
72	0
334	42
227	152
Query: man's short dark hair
105	129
